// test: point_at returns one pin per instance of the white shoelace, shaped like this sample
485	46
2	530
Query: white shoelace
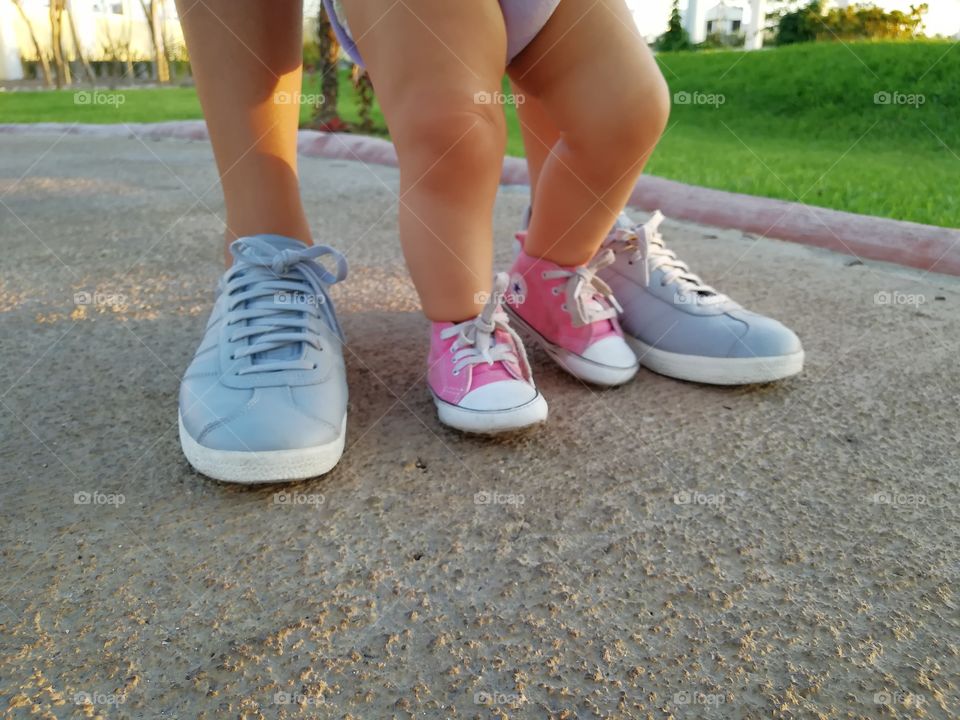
646	246
582	288
476	344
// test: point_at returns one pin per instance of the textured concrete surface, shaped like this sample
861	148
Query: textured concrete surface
662	550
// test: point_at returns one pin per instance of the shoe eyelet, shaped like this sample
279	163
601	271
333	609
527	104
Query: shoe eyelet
629	262
233	357
555	290
456	372
543	275
564	307
314	366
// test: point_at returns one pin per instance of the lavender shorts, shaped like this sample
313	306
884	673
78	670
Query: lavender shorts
524	20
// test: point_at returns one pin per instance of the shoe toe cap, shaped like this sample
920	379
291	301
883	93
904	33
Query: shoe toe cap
500	395
765	337
263	420
261	433
611	351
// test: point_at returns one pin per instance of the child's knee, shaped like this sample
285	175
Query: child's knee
461	133
635	121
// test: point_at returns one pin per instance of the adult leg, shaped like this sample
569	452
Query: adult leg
246	57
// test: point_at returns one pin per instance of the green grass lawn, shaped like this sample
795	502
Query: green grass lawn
797	123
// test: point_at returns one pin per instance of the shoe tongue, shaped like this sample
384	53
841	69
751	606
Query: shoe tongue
487	372
296	300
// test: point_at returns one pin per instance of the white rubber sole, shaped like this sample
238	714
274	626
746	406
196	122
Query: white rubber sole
271	466
717	371
488	422
578	366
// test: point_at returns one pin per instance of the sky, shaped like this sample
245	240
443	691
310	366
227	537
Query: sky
943	17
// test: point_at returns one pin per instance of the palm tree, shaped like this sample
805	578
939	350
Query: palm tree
325	116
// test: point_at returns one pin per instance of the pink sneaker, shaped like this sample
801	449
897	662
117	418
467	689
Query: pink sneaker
479	375
573	314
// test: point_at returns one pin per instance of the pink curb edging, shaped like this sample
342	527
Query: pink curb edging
927	247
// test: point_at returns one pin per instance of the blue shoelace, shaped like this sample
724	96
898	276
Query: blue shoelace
274	294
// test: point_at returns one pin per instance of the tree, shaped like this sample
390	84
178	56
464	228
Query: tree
854	22
676	37
364	87
56	41
325	116
41	56
77	47
161	68
799	25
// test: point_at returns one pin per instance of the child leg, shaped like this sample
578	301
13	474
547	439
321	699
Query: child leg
247	62
430	61
607	128
539	133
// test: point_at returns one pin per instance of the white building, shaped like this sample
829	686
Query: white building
104	28
727	17
724	18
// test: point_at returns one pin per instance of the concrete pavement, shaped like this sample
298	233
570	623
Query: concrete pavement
662	550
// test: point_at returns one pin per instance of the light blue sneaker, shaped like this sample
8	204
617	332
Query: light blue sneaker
265	398
681	327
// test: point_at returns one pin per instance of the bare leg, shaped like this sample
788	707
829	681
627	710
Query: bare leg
431	61
607	128
247	60
540	134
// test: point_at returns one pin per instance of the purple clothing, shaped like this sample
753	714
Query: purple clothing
524	19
